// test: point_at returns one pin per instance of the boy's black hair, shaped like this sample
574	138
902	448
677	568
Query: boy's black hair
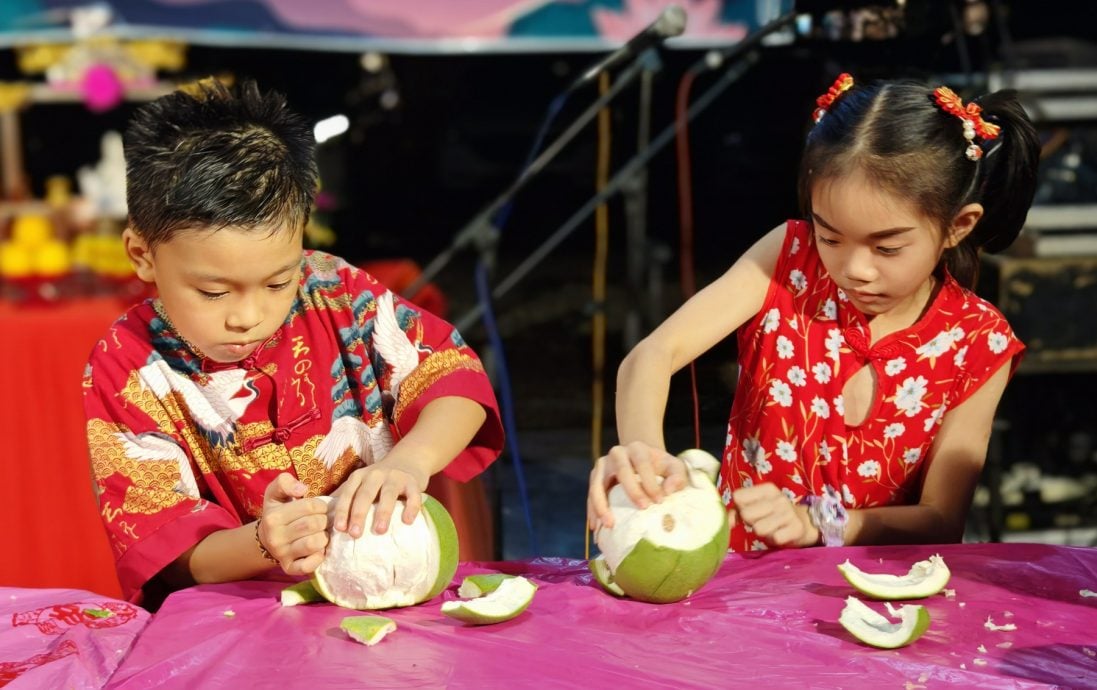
218	157
896	135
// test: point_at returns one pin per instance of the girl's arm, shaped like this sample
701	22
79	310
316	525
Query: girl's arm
955	461
643	380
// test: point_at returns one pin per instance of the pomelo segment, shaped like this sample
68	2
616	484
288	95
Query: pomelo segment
510	599
925	579
874	629
478	585
369	630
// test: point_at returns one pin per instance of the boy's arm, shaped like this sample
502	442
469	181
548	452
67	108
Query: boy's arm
955	460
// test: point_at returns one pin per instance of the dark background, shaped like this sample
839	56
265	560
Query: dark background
406	179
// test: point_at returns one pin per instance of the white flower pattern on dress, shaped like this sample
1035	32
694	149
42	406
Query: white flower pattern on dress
820	407
908	397
997	343
834	343
869	468
895	366
781	393
785	349
958	360
771	321
797	377
821	370
830	310
786	451
840	406
934	418
911	455
798	279
894	430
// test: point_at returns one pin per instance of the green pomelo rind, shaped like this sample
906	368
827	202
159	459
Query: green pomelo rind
600	569
661	575
448	544
369	630
303	592
893	588
465	611
864	631
478	585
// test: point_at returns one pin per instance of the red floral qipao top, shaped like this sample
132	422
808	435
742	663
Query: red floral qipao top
787	423
182	446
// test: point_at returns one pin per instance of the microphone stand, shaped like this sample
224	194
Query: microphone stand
742	57
481	232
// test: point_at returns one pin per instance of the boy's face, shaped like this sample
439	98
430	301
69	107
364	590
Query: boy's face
225	291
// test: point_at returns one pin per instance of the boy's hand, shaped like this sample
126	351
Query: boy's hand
637	467
774	517
383	482
293	529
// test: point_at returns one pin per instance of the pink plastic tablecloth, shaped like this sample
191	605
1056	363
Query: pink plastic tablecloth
769	620
63	638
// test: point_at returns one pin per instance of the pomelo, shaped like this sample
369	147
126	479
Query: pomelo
667	551
509	599
369	630
406	565
924	579
603	577
874	629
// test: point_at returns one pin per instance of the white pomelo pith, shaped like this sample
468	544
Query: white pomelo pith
874	629
406	565
667	551
510	598
604	577
925	579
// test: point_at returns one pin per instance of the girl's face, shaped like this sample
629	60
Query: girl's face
876	246
225	291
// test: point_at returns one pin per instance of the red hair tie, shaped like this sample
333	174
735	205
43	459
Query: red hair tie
971	115
843	83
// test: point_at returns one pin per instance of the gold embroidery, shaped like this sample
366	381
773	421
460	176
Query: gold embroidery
299	348
429	371
153	481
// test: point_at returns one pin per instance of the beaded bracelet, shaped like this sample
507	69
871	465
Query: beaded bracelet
262	549
828	515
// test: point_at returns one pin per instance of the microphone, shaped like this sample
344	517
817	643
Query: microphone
670	22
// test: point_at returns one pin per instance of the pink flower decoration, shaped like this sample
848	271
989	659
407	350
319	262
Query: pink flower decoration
102	88
702	20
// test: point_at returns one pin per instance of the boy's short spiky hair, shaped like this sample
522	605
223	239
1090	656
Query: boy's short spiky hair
218	157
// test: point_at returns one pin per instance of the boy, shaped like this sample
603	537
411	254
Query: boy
262	375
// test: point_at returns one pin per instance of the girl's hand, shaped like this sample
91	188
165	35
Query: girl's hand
293	529
384	482
637	467
774	517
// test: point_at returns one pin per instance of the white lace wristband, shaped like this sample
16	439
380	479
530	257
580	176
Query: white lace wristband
828	515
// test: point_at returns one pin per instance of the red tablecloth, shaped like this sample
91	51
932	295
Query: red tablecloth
53	537
765	621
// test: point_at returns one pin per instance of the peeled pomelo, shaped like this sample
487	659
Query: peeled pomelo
509	599
301	593
604	577
406	565
667	551
925	579
478	585
874	629
369	630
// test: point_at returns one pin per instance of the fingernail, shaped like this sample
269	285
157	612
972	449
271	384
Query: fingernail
300	488
341	524
355	530
380	527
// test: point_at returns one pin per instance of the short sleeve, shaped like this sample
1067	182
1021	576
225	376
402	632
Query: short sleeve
148	488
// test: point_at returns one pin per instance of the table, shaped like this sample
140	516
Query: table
767	620
57	539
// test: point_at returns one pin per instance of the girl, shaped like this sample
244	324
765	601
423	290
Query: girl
869	371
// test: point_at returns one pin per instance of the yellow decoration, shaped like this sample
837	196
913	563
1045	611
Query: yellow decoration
82	249
52	259
13	96
31	230
35	59
165	55
58	190
15	260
